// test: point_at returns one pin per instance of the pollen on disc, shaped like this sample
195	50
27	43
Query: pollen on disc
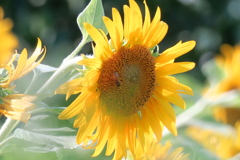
127	80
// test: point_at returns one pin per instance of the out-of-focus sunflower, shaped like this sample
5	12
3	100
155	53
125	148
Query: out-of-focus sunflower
15	106
156	151
8	41
126	94
227	115
25	64
229	62
222	144
12	105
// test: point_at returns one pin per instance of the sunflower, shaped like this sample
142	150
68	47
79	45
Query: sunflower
157	151
24	64
221	144
229	62
126	92
15	106
8	40
12	105
226	115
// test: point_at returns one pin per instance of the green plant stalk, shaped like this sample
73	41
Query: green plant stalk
47	90
76	50
7	127
68	63
10	124
185	117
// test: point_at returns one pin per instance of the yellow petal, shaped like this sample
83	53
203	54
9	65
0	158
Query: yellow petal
75	106
94	33
153	121
25	65
165	117
19	116
174	98
91	78
175	51
118	22
174	68
155	34
74	84
113	32
172	85
93	63
146	19
111	145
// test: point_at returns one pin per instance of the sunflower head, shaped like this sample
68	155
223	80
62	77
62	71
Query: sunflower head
24	65
223	145
16	106
157	151
229	62
130	75
127	90
12	105
227	115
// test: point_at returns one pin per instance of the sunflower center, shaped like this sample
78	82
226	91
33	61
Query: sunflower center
127	80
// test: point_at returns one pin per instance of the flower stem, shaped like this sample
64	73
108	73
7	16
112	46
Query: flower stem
76	50
47	90
185	117
7	127
67	65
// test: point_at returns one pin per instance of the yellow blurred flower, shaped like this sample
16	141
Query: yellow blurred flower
227	115
24	64
126	94
156	151
8	41
222	144
229	61
13	105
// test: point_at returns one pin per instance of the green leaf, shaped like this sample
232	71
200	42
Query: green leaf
43	68
18	152
47	140
44	132
92	14
46	137
4	92
85	154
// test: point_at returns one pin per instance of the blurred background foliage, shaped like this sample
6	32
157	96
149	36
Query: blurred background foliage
210	23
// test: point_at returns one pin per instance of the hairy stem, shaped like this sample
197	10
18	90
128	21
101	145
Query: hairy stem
7	127
76	51
47	90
